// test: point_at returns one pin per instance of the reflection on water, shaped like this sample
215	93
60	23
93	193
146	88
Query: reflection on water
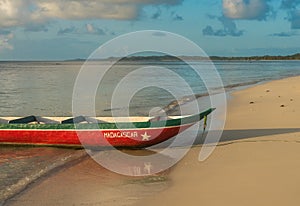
22	165
134	162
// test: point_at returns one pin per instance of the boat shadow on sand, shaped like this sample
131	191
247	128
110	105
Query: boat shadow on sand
231	136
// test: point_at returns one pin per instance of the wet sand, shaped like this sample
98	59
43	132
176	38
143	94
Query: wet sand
260	166
255	163
88	183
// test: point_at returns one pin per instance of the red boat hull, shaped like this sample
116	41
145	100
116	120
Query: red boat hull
70	133
104	138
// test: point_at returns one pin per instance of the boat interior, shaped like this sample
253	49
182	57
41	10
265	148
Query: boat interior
79	119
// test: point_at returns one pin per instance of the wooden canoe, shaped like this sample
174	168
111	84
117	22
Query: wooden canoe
93	132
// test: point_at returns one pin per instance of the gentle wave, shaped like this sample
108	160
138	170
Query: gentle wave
175	104
20	166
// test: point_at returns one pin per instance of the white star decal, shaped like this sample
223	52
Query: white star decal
145	137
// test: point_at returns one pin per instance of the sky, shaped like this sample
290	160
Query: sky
70	29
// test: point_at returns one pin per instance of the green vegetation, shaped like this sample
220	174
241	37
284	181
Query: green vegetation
214	58
167	58
256	58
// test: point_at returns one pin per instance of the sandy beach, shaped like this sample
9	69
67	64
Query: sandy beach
255	163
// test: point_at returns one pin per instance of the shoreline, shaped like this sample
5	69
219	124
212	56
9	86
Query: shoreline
257	161
246	153
92	184
58	158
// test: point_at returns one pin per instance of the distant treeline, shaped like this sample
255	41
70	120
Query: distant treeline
196	58
172	58
256	58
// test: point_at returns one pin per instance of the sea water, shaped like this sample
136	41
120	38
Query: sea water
46	89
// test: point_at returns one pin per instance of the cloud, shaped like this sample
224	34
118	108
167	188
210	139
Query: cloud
229	28
14	12
87	29
36	28
295	19
246	9
5	37
289	4
68	30
76	10
177	17
91	29
4	32
157	14
209	31
284	34
23	12
210	16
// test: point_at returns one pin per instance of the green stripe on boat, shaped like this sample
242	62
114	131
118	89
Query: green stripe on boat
118	125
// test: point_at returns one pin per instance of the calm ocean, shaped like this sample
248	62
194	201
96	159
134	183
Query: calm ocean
45	89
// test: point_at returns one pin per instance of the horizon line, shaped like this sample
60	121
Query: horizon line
295	56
